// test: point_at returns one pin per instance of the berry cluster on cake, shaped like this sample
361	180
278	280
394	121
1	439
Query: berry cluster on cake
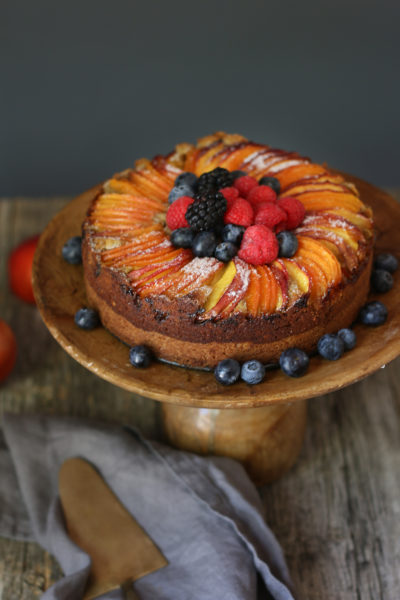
227	249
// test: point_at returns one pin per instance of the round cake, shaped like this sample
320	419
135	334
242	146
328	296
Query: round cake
196	310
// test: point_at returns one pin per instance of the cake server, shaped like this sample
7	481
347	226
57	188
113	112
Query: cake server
120	550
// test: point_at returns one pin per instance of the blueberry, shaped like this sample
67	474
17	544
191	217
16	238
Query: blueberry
330	346
348	337
288	244
87	318
294	362
271	182
182	238
225	251
227	371
233	234
187	178
252	372
72	250
179	191
140	356
204	244
386	261
381	281
237	174
373	313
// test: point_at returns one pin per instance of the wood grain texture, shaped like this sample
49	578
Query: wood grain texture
336	513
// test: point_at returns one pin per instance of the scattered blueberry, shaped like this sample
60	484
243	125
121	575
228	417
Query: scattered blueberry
179	191
381	281
87	318
386	261
182	238
271	182
348	337
227	371
237	174
330	346
288	244
294	362
373	313
225	251
204	244
187	178
72	250
252	372
140	356
233	234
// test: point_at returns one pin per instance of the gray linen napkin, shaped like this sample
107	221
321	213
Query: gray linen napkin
204	513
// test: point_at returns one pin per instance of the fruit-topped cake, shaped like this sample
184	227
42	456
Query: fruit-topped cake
227	249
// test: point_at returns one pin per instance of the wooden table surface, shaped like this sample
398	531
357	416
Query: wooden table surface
336	514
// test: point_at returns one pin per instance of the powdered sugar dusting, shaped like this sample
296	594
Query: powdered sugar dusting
200	267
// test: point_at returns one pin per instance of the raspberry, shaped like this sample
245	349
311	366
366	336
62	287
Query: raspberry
239	212
261	193
294	209
229	193
270	215
259	245
245	184
176	213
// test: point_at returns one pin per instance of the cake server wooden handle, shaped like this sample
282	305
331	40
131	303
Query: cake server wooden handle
120	550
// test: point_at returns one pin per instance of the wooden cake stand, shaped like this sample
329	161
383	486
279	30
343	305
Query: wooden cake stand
261	426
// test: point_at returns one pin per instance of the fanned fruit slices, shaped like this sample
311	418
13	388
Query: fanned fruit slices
127	229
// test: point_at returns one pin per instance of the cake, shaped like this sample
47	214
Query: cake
197	310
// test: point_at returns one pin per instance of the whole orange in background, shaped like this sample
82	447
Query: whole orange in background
8	350
20	269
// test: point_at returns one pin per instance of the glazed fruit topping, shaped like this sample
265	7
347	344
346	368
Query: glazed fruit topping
233	233
270	215
240	212
204	244
271	182
179	191
176	213
288	244
182	237
225	251
259	245
261	194
241	203
245	184
206	211
295	212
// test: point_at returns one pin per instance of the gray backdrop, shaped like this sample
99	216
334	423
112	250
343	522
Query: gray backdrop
86	87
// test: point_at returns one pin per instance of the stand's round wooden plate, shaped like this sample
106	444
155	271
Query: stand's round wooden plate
199	414
60	292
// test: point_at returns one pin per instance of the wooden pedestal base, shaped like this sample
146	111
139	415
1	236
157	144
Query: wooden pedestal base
266	440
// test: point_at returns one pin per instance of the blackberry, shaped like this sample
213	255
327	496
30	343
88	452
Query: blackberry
214	180
206	211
